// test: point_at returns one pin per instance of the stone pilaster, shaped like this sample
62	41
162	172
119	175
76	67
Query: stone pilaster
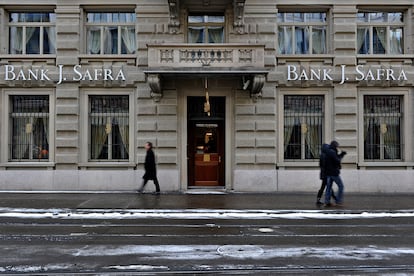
67	94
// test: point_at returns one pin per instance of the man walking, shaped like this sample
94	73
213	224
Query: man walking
150	169
322	175
333	167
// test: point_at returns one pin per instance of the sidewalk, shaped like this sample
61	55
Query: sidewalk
230	201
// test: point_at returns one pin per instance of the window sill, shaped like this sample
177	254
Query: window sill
362	59
130	59
120	164
27	164
379	164
299	164
325	58
50	59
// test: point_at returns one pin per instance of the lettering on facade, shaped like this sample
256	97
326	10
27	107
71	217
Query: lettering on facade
360	73
76	73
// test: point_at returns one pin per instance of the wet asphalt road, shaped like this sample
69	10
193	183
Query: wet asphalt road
148	244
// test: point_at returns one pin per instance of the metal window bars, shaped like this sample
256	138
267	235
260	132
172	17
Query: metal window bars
383	128
303	126
29	124
109	128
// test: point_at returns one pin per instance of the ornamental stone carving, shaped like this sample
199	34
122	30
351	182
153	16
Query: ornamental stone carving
174	7
154	82
257	86
238	8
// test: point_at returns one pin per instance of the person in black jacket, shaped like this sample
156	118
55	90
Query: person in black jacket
333	168
150	169
322	176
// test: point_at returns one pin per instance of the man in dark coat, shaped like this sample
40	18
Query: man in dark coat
322	176
150	169
333	167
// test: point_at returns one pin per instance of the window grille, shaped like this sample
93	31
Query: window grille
110	33
380	33
302	33
32	33
382	127
29	122
206	29
109	127
303	127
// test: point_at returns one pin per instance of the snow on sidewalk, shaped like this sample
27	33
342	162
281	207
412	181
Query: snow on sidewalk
198	214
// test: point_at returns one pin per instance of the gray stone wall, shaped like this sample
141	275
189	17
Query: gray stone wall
256	157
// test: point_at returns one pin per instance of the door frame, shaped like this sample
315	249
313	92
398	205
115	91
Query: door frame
195	87
221	147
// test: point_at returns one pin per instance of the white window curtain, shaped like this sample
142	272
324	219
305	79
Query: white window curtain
196	35
318	40
16	40
289	124
313	136
123	130
110	40
129	39
396	41
51	39
94	40
20	139
285	40
215	34
392	138
98	136
363	40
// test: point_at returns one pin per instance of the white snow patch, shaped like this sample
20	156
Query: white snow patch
173	252
34	268
198	214
266	230
210	252
137	267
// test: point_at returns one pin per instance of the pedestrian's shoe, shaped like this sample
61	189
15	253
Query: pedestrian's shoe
340	204
319	203
156	193
329	205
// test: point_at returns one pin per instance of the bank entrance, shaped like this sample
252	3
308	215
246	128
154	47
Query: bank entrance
206	142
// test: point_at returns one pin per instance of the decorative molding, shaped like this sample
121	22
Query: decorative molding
238	8
174	7
154	82
258	82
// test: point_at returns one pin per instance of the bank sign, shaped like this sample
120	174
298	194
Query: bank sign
360	73
74	73
294	73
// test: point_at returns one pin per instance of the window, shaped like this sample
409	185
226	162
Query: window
380	33
109	127
206	29
302	33
303	126
32	33
110	33
29	121
382	127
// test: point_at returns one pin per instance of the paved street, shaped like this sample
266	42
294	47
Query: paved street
207	234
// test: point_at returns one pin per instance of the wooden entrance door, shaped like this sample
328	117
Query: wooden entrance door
206	142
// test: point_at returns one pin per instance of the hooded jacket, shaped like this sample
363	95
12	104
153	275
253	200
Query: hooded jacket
333	161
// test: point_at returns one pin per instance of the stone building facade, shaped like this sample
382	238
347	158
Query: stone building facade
236	95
